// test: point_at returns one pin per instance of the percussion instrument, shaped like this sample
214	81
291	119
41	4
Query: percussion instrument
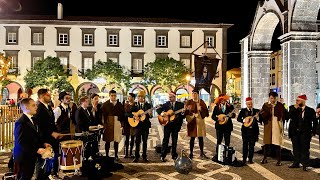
183	164
71	154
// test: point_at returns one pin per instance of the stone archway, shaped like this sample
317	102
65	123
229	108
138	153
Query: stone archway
298	45
14	90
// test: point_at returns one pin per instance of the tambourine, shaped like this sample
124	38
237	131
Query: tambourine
48	154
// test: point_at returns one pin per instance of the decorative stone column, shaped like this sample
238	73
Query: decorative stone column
299	66
259	76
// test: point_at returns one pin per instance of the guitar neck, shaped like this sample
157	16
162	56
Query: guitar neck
179	111
146	112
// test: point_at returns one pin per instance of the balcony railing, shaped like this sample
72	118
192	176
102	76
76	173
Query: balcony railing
14	71
137	72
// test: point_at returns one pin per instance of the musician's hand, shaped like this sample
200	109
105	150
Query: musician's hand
162	114
150	112
100	126
41	151
246	120
46	145
56	135
313	134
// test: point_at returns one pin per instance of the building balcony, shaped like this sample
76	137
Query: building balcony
137	72
14	71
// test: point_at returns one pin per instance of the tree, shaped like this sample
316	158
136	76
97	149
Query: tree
111	72
166	72
48	73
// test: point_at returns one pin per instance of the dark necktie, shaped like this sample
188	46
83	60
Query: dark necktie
34	121
250	112
172	105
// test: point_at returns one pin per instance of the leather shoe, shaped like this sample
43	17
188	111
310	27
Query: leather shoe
279	163
135	160
162	159
304	168
203	156
145	159
264	161
191	156
250	161
174	157
294	166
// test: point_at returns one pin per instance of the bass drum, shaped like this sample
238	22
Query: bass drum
71	154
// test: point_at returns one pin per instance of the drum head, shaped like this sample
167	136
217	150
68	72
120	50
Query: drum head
71	143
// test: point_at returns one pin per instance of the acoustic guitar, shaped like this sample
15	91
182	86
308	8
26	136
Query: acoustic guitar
249	120
139	116
223	118
169	116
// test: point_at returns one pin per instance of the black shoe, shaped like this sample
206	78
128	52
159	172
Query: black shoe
294	166
191	156
264	161
145	159
116	158
250	161
214	158
135	160
174	157
304	168
279	163
132	156
162	159
244	163
203	156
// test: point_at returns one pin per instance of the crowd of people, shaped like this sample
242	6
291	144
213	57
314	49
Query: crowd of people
42	126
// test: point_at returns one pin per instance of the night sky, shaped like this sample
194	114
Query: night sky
215	11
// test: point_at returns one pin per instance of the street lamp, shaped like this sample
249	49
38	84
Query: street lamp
188	77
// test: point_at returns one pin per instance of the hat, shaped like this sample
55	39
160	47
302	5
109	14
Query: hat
172	93
195	90
132	95
141	93
302	97
62	95
248	99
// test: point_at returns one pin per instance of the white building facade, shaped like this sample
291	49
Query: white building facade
79	42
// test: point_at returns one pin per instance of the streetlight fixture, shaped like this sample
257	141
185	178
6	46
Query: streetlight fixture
188	77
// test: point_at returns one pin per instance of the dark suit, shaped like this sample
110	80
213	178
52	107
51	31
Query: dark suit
142	130
97	118
249	134
172	128
301	128
224	130
83	120
46	120
26	144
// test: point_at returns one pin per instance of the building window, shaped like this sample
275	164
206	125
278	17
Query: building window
137	40
210	40
210	37
114	56
273	79
64	61
14	62
88	39
63	39
185	41
161	41
113	37
113	40
12	38
87	63
137	66
273	63
186	62
37	38
185	58
35	59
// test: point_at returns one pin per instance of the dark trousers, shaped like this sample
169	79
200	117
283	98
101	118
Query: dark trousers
220	135
201	144
127	144
25	169
248	146
143	134
169	130
115	146
46	167
301	147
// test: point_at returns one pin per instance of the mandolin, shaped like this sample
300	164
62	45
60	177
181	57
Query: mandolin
249	120
140	116
169	116
223	118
